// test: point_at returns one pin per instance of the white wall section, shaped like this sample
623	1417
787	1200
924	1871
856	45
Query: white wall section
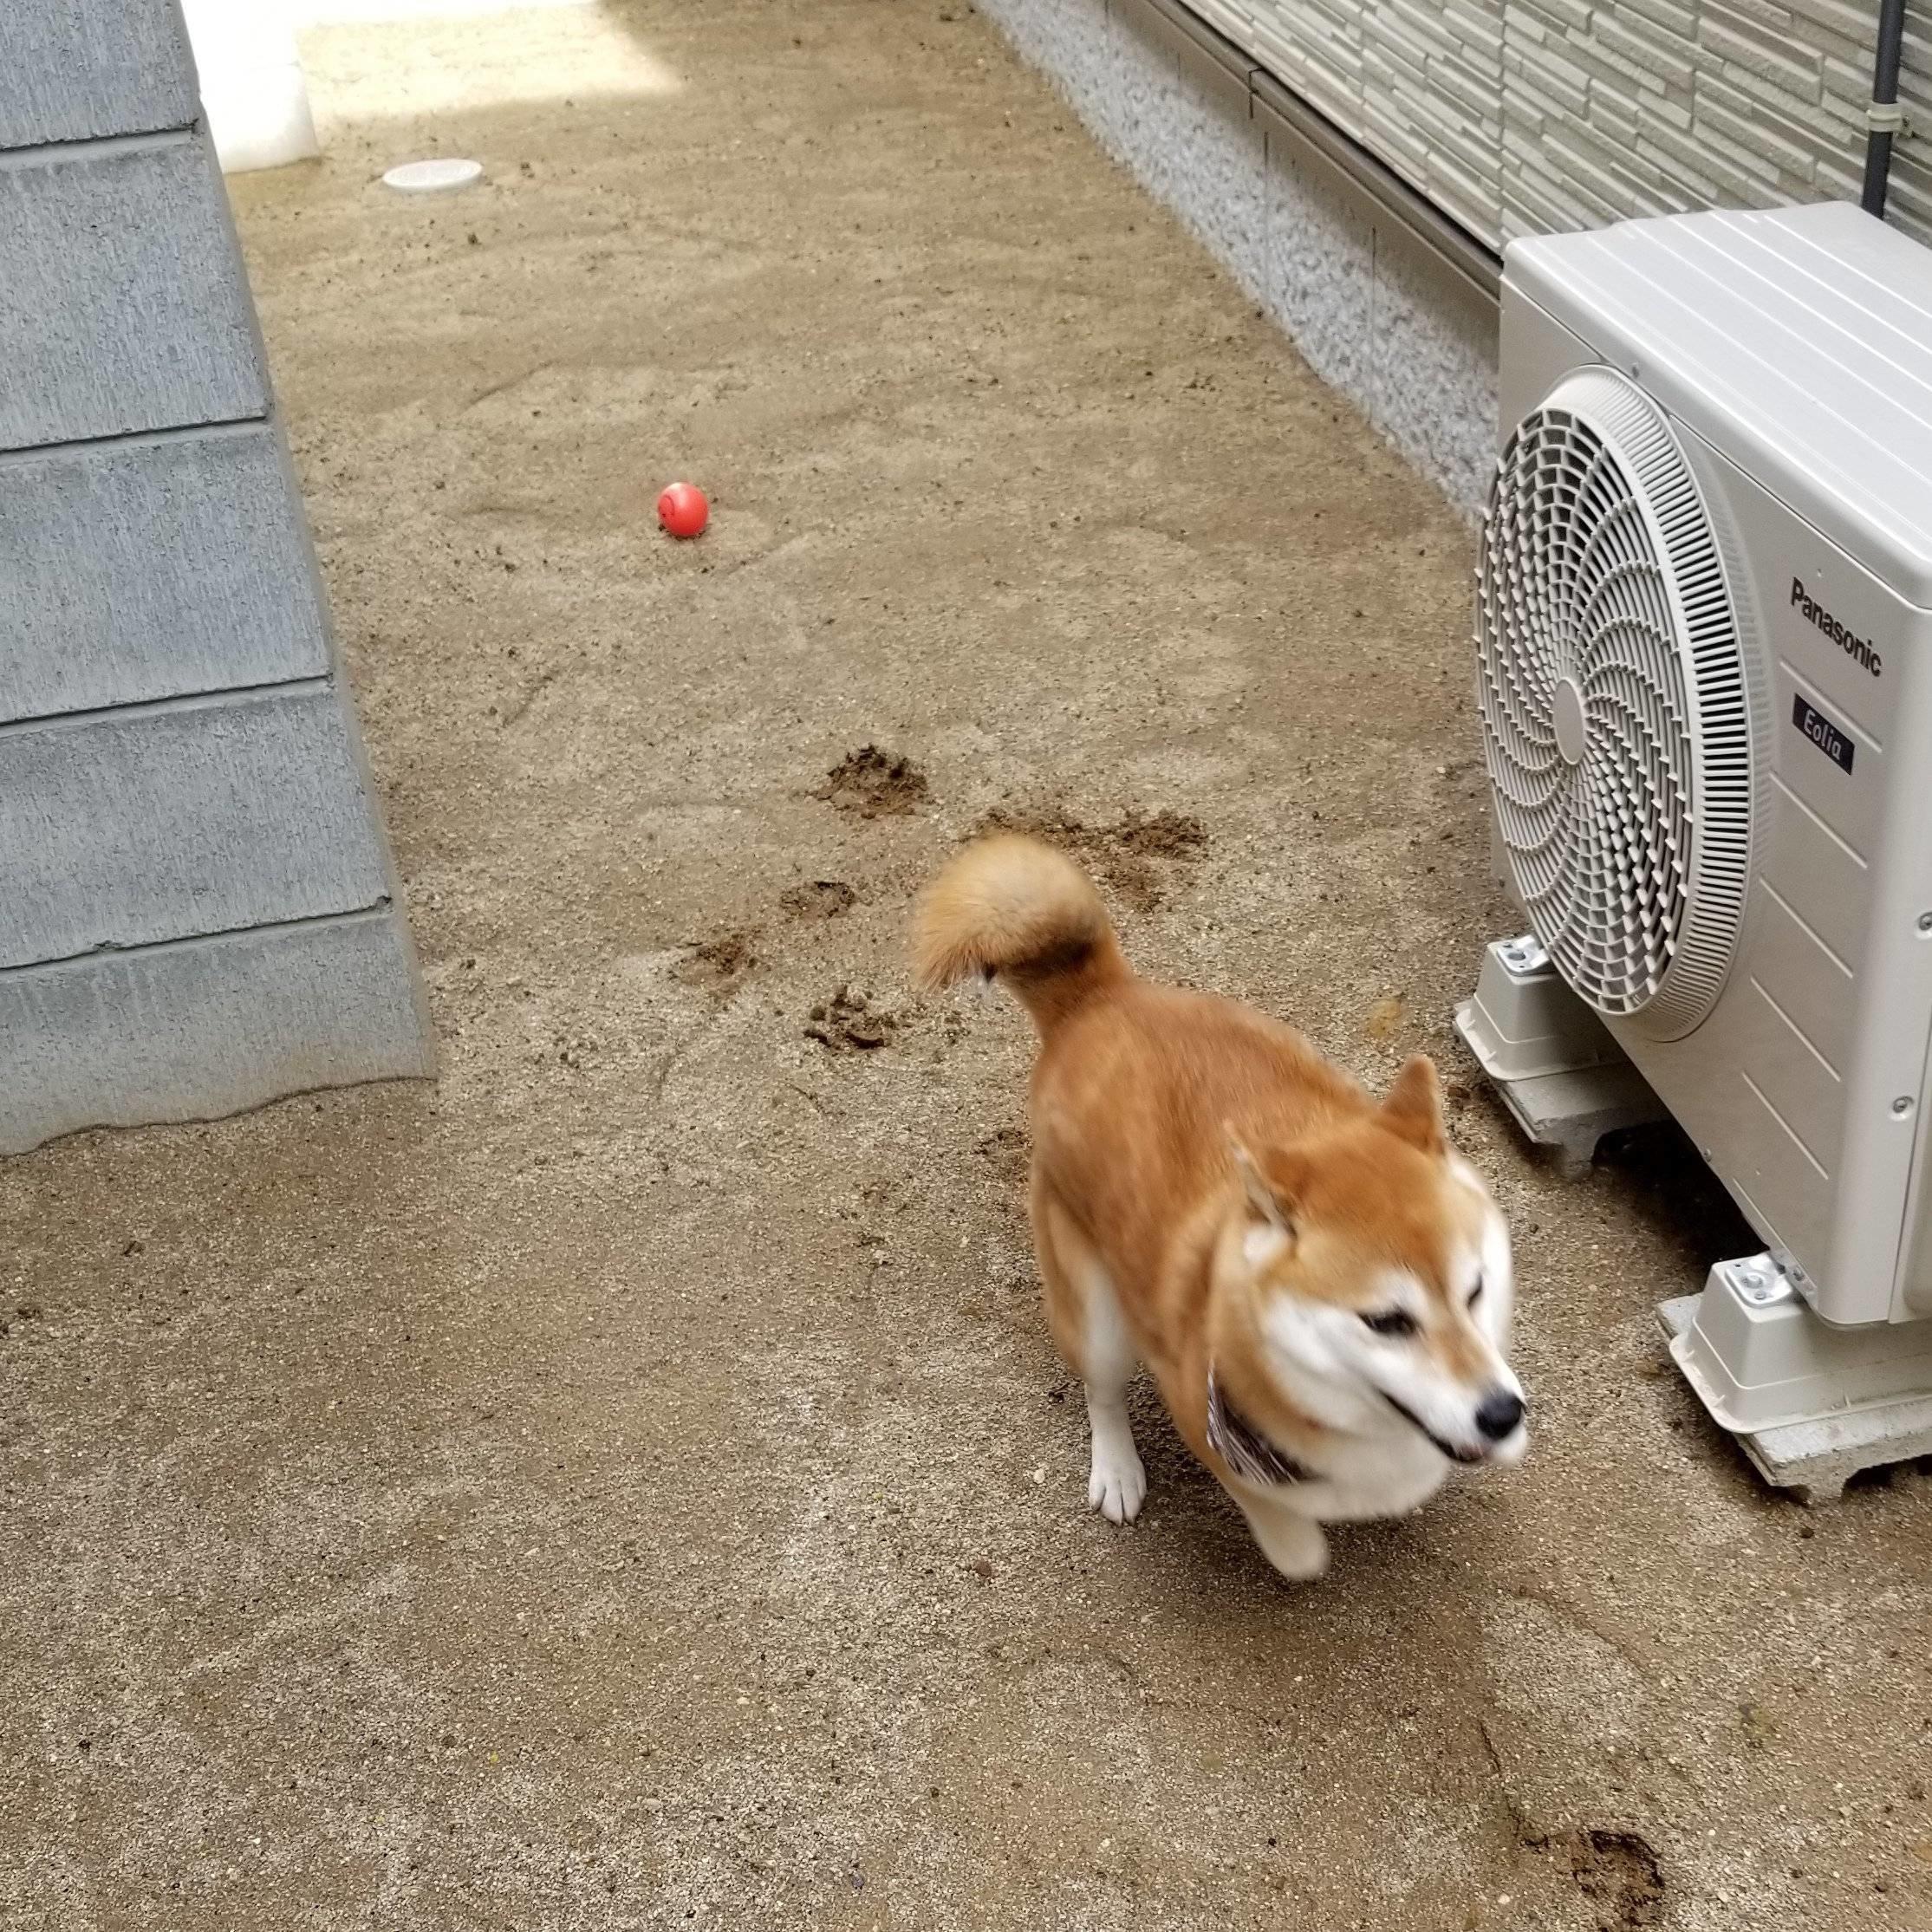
1375	313
252	89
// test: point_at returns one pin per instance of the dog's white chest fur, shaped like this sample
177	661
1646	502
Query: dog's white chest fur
1381	1476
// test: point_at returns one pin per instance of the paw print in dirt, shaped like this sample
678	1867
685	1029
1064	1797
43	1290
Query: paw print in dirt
573	1049
818	899
716	964
847	1023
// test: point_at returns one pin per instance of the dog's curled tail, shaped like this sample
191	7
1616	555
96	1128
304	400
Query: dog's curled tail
1013	908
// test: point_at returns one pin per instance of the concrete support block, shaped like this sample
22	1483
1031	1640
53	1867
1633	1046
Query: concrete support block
122	307
130	827
77	69
208	1027
153	568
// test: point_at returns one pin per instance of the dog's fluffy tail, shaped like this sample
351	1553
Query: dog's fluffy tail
1013	908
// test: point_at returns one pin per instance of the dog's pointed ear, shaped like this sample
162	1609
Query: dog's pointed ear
1270	1184
1413	1107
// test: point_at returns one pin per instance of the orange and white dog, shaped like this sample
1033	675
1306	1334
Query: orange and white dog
1319	1284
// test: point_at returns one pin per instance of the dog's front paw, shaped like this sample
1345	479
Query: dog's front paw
1294	1546
1117	1486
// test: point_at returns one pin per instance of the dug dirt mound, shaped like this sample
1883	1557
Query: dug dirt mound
872	783
1129	855
1619	1874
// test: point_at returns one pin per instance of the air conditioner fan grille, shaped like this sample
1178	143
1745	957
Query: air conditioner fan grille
1614	704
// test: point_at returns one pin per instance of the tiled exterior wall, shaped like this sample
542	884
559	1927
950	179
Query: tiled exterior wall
1525	117
1420	84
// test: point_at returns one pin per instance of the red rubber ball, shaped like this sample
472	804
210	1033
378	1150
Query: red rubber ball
682	509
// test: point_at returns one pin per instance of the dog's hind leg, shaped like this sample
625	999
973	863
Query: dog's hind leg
1084	1314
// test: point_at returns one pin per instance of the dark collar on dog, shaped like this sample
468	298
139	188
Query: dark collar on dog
1247	1453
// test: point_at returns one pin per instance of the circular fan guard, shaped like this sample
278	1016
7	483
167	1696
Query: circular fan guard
1615	712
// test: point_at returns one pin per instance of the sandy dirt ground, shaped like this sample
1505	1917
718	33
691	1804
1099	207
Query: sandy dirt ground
628	1484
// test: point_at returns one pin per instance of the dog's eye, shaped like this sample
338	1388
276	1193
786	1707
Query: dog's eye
1393	1321
1475	1294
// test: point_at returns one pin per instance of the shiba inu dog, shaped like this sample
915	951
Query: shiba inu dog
1319	1285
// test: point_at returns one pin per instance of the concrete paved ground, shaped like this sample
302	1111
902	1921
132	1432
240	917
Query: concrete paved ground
628	1485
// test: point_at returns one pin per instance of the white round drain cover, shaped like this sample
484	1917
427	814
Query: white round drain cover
432	177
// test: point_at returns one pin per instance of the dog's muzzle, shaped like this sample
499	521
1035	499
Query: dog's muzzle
1449	1450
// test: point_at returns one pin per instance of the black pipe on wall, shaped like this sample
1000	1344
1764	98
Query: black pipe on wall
1882	117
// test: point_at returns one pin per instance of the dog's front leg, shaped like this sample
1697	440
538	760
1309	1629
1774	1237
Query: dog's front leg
1292	1544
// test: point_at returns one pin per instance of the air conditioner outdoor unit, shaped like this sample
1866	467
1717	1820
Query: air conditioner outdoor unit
1705	638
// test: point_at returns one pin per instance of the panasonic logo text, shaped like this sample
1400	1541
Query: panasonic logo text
1853	646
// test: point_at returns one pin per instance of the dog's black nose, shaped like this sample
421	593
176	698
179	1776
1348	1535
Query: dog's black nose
1499	1415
